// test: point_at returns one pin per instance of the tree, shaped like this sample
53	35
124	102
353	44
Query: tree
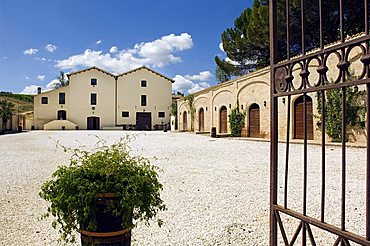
174	112
237	121
62	81
247	43
221	75
6	112
355	111
190	105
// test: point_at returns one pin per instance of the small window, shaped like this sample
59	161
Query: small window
125	114
161	114
62	98
93	99
94	81
44	100
143	83
143	100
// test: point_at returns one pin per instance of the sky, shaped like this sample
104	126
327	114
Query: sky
177	38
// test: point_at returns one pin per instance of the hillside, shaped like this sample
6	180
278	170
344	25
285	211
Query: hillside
23	103
21	97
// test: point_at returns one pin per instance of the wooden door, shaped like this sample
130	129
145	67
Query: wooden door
254	121
298	118
62	115
143	121
185	121
223	120
93	123
201	120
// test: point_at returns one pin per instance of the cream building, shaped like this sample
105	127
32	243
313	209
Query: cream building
252	91
95	99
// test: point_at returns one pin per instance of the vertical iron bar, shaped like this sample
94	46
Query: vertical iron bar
321	24
304	165
341	20
323	163
287	155
304	153
366	7
287	3
273	122
368	161
344	129
304	238
303	33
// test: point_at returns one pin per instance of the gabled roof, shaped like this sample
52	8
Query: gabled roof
91	68
150	70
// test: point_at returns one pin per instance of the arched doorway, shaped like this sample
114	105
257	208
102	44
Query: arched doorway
298	118
254	121
223	119
185	121
62	115
93	123
201	120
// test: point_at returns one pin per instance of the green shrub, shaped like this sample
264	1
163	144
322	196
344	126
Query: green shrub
106	169
237	121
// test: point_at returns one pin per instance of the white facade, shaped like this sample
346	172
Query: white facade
95	99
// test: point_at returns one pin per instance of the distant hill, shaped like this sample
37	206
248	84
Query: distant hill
21	97
23	103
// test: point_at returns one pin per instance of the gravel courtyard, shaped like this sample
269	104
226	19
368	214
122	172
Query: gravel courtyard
216	190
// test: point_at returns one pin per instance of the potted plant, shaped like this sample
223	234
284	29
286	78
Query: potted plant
102	194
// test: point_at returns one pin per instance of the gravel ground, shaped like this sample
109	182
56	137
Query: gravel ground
216	190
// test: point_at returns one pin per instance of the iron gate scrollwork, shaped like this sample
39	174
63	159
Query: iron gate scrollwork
315	70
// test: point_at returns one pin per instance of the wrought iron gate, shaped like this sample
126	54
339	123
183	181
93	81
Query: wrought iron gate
292	76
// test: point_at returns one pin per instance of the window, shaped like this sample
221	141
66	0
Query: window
62	98
143	83
93	99
161	114
125	114
94	81
44	100
143	100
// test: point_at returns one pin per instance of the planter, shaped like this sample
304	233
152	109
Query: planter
109	231
213	132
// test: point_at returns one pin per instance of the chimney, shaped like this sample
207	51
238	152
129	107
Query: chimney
38	90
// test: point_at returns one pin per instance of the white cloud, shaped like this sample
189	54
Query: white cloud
186	85
27	78
221	46
50	47
32	89
98	42
202	76
51	84
157	53
231	61
40	77
30	51
113	49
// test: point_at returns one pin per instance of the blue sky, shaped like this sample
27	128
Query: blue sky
176	38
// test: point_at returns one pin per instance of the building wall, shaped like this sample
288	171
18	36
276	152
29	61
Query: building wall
248	89
114	95
43	113
158	96
80	90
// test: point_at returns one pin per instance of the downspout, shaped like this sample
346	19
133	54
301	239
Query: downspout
115	101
